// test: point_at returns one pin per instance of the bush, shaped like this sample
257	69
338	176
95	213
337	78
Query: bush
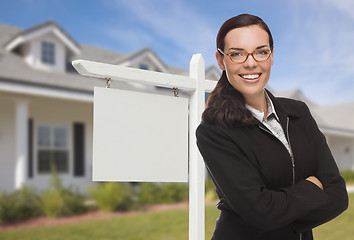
173	192
209	184
59	201
348	176
153	193
210	193
112	196
19	205
74	202
148	193
52	203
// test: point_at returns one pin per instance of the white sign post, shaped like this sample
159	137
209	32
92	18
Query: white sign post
197	86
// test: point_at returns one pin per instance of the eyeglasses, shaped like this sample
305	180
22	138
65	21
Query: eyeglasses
242	56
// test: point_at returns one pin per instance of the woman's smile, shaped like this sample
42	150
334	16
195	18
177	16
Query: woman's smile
251	77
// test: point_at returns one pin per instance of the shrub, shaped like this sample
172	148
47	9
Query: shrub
173	192
112	196
210	193
153	193
74	202
148	193
52	202
19	205
348	176
59	201
209	184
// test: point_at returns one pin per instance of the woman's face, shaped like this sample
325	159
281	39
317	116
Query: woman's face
249	77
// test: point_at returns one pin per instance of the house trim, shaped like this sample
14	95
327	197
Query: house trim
21	130
35	33
143	54
337	131
36	90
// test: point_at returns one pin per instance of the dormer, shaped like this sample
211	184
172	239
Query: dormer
143	59
45	47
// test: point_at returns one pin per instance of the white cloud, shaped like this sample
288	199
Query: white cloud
172	22
345	6
129	39
316	54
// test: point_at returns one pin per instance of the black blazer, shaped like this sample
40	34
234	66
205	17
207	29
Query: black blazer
253	174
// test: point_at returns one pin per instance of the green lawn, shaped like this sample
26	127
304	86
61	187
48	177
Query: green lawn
168	225
341	228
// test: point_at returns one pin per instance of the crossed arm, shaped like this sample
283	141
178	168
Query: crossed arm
308	203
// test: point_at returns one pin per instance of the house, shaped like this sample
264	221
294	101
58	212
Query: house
46	108
336	123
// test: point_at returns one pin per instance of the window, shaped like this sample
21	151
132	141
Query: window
48	53
143	66
52	148
347	150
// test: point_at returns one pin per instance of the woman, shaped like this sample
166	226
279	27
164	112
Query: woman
273	171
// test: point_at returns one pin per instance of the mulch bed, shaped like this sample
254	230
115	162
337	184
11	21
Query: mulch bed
45	221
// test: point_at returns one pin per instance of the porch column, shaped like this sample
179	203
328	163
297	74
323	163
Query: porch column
21	130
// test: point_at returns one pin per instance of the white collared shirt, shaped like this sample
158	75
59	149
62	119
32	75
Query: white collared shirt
271	121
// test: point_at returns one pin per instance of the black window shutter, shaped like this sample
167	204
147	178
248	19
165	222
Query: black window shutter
30	148
79	149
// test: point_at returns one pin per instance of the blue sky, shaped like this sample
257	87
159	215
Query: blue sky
313	38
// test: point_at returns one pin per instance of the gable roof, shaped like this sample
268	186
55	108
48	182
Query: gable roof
7	32
16	72
41	29
141	54
298	95
98	54
336	119
339	117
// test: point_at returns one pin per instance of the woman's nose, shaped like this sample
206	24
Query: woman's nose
250	62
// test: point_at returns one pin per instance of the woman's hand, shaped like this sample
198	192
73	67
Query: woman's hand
315	180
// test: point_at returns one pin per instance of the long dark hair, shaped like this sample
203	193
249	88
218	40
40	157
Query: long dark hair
226	105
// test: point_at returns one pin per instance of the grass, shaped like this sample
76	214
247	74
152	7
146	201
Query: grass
340	228
167	225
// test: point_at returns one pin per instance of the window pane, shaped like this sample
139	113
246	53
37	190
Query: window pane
53	149
48	52
44	160
61	161
48	157
143	66
60	137
43	136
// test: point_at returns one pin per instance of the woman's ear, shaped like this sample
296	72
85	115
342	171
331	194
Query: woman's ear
220	60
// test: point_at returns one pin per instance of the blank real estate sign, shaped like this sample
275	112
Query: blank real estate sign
139	137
